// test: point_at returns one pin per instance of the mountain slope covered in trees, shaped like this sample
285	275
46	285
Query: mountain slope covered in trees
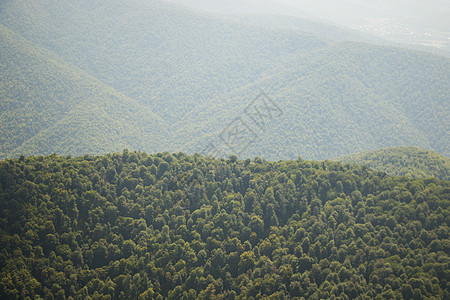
347	98
132	225
195	73
181	76
404	161
50	106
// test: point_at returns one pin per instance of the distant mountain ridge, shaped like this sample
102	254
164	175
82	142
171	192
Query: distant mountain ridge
404	161
63	109
173	79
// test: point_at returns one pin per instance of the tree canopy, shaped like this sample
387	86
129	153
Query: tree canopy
404	161
173	226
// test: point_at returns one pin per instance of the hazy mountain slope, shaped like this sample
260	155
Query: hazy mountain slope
404	161
50	106
412	23
198	71
160	54
351	97
316	27
415	24
240	7
273	14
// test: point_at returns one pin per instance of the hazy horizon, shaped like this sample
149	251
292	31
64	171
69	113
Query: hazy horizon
409	22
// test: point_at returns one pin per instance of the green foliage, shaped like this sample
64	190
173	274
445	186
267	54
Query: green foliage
404	161
136	226
89	77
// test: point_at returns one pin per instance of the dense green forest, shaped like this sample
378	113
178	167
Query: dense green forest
404	161
92	77
173	226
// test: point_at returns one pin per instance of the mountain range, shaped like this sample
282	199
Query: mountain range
92	77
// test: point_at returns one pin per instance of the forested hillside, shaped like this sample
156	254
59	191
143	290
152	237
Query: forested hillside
181	76
48	106
344	99
131	225
404	161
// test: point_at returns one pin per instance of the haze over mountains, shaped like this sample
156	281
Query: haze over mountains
89	77
416	23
